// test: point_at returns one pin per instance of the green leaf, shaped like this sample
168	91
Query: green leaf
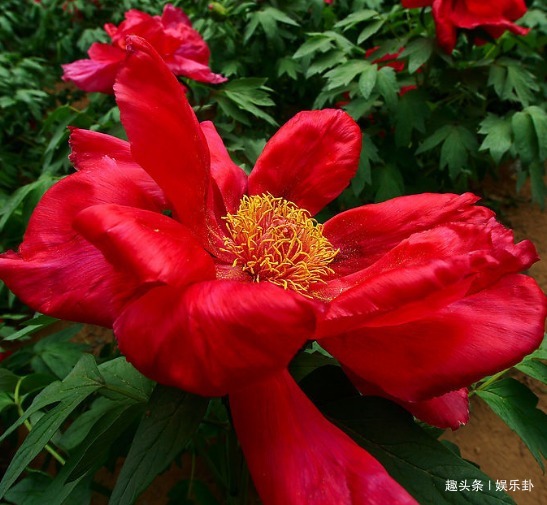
498	138
525	136
173	418
367	80
122	378
8	380
287	66
355	18
419	462
537	184
513	82
343	74
389	182
324	62
318	43
369	155
370	30
412	111
77	386
82	381
418	52
517	406
456	148
307	361
92	452
539	120
386	84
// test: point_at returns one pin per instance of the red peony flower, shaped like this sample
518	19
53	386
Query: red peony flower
417	297
171	35
493	17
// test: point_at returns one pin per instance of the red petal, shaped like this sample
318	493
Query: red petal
310	160
450	410
215	336
75	281
165	136
451	347
187	67
99	72
428	270
366	233
230	178
173	16
147	245
412	4
297	457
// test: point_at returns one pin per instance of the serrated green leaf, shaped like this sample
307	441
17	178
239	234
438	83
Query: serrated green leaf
539	120
324	62
367	80
456	148
412	111
516	405
498	138
420	463
418	52
512	81
355	18
287	66
343	74
369	155
313	45
173	419
370	30
386	84
389	183
525	136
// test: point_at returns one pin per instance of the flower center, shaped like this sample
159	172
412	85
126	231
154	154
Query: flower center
274	240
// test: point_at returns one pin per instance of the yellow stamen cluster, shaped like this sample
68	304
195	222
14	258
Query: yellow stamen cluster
274	240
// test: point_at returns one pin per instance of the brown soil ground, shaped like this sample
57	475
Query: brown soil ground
486	440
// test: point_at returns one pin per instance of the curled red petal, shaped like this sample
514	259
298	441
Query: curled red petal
165	136
98	73
147	245
181	65
230	179
296	456
452	346
427	270
450	410
310	160
367	233
75	281
214	337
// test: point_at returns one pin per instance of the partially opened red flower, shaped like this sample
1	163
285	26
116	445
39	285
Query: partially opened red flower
417	297
493	17
171	35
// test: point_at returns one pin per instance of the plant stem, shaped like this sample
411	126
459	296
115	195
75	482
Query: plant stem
19	404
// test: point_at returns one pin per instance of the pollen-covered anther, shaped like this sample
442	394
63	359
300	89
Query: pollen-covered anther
274	240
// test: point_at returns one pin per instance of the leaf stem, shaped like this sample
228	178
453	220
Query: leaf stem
19	404
489	381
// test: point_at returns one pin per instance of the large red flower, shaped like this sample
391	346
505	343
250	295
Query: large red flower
493	17
171	35
213	280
